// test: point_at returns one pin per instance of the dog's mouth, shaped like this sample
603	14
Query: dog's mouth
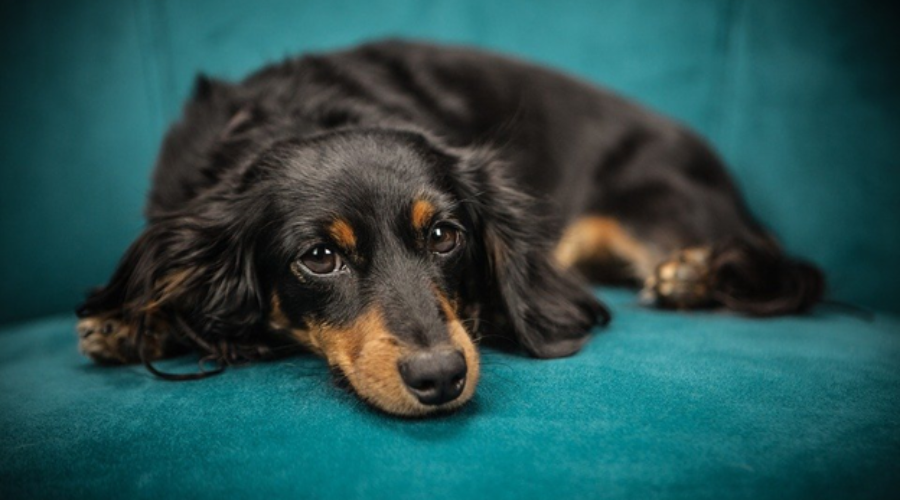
405	382
407	401
394	377
417	383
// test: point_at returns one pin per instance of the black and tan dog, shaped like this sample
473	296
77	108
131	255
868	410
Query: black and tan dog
389	205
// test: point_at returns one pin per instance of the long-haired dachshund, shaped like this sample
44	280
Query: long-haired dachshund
387	206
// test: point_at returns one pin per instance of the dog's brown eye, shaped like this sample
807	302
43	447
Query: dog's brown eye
444	238
321	260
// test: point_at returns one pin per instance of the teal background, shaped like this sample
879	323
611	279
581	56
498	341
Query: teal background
800	96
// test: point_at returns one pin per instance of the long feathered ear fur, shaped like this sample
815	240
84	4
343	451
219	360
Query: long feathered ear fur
193	264
195	267
519	287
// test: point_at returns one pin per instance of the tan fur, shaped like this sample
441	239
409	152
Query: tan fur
421	214
683	281
343	234
107	340
595	238
368	354
166	289
277	319
461	339
110	340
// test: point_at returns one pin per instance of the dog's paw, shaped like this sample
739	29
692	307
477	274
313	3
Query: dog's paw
682	282
110	341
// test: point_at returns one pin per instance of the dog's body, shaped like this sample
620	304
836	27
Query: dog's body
385	205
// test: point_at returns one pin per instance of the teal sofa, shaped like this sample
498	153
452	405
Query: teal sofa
799	96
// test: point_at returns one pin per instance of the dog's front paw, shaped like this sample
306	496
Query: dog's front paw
108	340
682	282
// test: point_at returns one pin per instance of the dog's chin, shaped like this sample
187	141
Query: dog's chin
405	404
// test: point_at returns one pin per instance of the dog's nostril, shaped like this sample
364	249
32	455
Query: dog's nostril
425	385
435	376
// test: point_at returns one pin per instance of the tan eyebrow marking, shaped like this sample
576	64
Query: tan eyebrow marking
421	214
343	234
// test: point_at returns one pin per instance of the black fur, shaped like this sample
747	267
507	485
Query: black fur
510	151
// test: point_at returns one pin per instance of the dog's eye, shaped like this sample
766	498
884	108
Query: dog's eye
322	260
444	238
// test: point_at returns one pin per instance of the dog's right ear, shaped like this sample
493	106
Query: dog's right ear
195	258
197	266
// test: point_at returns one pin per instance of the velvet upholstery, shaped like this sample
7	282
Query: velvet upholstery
799	96
662	405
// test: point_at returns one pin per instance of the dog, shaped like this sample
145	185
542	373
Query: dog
390	205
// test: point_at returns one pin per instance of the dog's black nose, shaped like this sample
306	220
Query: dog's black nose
435	376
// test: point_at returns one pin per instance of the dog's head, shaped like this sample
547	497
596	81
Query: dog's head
379	250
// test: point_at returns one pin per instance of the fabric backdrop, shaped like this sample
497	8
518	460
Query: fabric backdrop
800	96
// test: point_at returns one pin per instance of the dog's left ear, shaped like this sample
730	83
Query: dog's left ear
547	309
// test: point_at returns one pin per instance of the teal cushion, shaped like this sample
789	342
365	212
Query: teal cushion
659	405
799	96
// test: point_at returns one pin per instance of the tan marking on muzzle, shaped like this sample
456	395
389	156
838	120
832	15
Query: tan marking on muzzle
368	355
461	339
277	319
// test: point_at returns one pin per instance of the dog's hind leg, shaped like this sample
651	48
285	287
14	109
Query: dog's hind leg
673	216
605	251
